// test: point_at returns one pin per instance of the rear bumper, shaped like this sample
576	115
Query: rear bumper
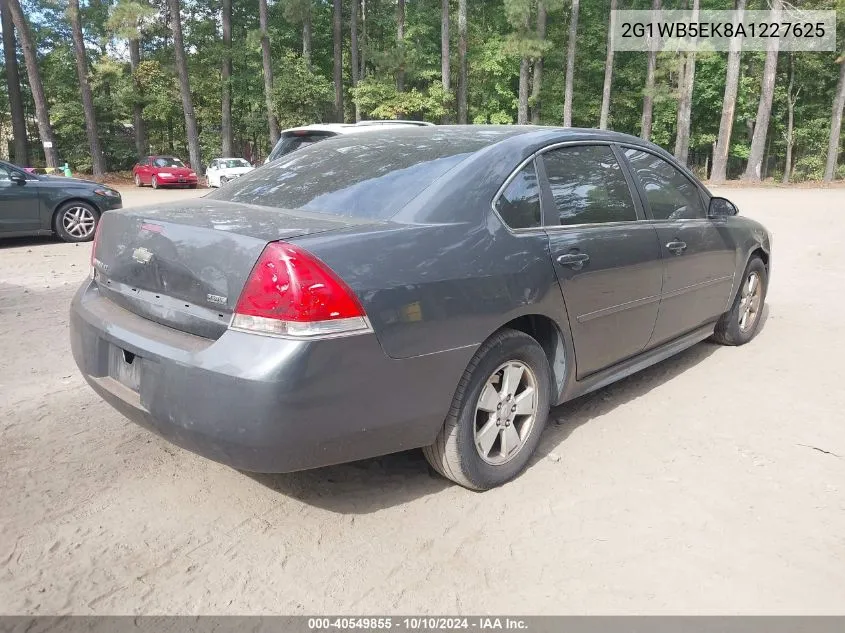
176	182
264	404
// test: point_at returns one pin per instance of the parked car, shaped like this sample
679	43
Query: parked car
435	287
296	137
164	171
34	204
222	170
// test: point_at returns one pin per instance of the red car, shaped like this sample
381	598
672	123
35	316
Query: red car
164	171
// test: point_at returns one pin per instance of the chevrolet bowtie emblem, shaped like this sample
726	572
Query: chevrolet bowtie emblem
142	255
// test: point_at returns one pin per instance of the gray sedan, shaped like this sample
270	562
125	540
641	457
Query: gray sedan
436	287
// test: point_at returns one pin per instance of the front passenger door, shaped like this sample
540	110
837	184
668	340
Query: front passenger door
606	259
699	254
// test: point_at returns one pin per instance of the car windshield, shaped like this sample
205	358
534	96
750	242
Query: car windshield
364	176
291	141
167	161
235	162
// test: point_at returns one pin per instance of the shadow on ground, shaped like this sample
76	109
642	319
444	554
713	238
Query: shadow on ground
374	484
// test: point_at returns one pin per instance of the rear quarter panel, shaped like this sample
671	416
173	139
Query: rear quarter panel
453	280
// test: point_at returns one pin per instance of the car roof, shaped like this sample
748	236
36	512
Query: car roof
229	158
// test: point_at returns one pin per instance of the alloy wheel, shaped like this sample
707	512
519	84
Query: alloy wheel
505	412
79	222
750	301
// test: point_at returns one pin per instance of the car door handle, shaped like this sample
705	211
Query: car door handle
677	247
575	261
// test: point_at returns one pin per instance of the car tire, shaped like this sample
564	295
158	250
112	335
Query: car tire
472	422
138	182
154	182
193	186
223	180
740	324
76	222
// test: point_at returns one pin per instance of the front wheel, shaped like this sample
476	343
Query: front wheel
223	180
740	324
154	182
498	414
76	222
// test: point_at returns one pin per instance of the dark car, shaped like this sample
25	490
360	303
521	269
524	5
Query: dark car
433	287
32	204
164	171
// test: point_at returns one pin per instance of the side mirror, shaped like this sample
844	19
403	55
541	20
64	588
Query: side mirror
17	179
721	208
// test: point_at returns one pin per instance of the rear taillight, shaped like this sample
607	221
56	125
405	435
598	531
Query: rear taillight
94	246
292	293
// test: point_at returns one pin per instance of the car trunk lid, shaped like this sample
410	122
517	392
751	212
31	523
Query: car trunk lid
185	265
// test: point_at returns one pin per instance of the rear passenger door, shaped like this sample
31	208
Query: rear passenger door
607	260
699	254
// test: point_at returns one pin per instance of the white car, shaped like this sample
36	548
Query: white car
296	137
222	170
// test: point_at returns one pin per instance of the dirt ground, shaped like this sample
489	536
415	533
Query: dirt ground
711	483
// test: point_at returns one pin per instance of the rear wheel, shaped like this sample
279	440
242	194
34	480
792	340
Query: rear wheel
193	186
740	324
498	414
154	182
138	182
76	222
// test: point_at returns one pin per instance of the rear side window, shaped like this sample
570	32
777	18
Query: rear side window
670	194
519	203
371	176
588	185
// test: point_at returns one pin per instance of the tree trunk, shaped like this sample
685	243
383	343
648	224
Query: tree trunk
141	143
791	99
306	34
42	113
764	109
685	100
353	41
608	72
835	125
462	62
267	63
570	65
363	51
648	97
723	142
97	165
337	25
185	87
226	80
522	108
13	81
537	79
400	41
445	67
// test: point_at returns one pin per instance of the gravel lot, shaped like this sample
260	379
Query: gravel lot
711	483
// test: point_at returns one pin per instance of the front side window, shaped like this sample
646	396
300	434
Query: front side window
4	174
670	194
588	186
519	203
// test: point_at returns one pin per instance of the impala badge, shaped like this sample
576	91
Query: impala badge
142	255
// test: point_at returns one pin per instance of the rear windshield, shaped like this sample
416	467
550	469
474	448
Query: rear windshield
363	176
291	141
